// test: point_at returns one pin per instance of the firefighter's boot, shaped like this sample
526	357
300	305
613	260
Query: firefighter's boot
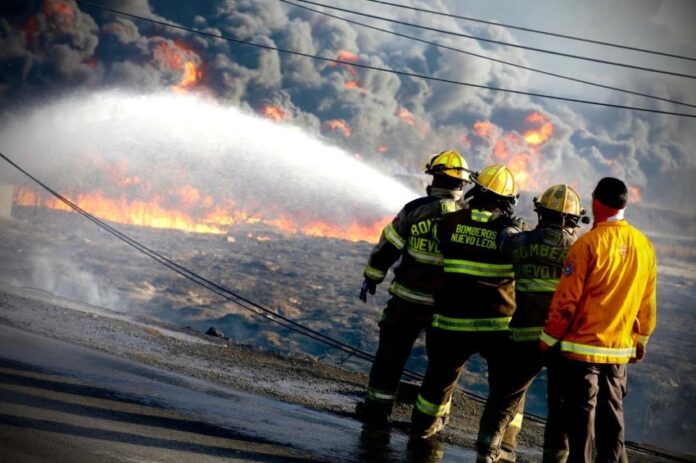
426	426
373	413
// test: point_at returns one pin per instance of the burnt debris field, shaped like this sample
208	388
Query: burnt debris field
312	280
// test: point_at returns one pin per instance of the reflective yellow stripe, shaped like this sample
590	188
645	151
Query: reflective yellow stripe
607	353
642	339
433	258
432	409
470	324
480	216
551	341
529	333
410	295
517	421
536	285
393	237
481	269
383	396
374	273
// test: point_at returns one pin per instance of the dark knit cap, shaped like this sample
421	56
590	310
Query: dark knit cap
611	192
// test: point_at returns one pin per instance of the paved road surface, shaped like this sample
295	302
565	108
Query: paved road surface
64	403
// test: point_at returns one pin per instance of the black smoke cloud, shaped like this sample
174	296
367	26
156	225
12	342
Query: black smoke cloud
54	46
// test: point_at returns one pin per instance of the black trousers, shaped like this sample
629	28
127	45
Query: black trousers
448	351
519	365
592	396
402	322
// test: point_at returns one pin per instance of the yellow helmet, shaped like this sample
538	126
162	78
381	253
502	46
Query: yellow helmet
449	163
561	198
497	179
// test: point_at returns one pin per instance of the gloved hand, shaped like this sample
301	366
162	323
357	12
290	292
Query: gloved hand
368	285
641	348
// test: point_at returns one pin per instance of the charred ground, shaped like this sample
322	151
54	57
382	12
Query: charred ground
314	281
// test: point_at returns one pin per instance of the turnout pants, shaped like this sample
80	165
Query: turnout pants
592	396
447	353
520	363
401	324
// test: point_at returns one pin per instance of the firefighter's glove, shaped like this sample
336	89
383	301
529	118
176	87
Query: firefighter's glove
640	352
367	286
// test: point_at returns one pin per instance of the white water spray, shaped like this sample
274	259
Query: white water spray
171	140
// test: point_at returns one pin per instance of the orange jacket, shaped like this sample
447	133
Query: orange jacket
605	301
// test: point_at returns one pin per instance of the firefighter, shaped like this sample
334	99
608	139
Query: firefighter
477	298
409	310
537	257
601	316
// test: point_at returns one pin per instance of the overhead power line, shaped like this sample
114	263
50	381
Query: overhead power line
536	31
500	42
378	68
466	52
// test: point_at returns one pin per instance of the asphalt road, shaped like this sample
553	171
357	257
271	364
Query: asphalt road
63	403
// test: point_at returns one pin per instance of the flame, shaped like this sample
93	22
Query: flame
406	116
484	129
382	148
210	218
60	10
634	194
519	152
339	124
178	57
275	113
348	57
541	131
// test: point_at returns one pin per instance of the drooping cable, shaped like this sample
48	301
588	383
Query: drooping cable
378	68
500	42
489	58
535	31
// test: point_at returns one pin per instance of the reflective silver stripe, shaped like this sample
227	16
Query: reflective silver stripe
642	339
432	409
480	216
393	237
536	285
376	394
530	333
585	349
410	295
551	341
374	273
433	258
482	269
471	324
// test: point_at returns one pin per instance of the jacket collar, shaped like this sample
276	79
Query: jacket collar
445	193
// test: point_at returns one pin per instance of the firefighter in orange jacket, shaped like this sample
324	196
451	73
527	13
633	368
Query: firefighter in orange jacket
537	257
601	316
410	309
477	298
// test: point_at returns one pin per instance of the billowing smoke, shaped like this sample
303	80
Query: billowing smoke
392	122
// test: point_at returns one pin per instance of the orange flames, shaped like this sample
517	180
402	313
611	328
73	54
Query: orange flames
187	209
519	152
382	149
178	57
339	124
348	57
541	131
275	113
410	119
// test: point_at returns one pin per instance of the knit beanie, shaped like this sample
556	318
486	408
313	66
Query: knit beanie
611	192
